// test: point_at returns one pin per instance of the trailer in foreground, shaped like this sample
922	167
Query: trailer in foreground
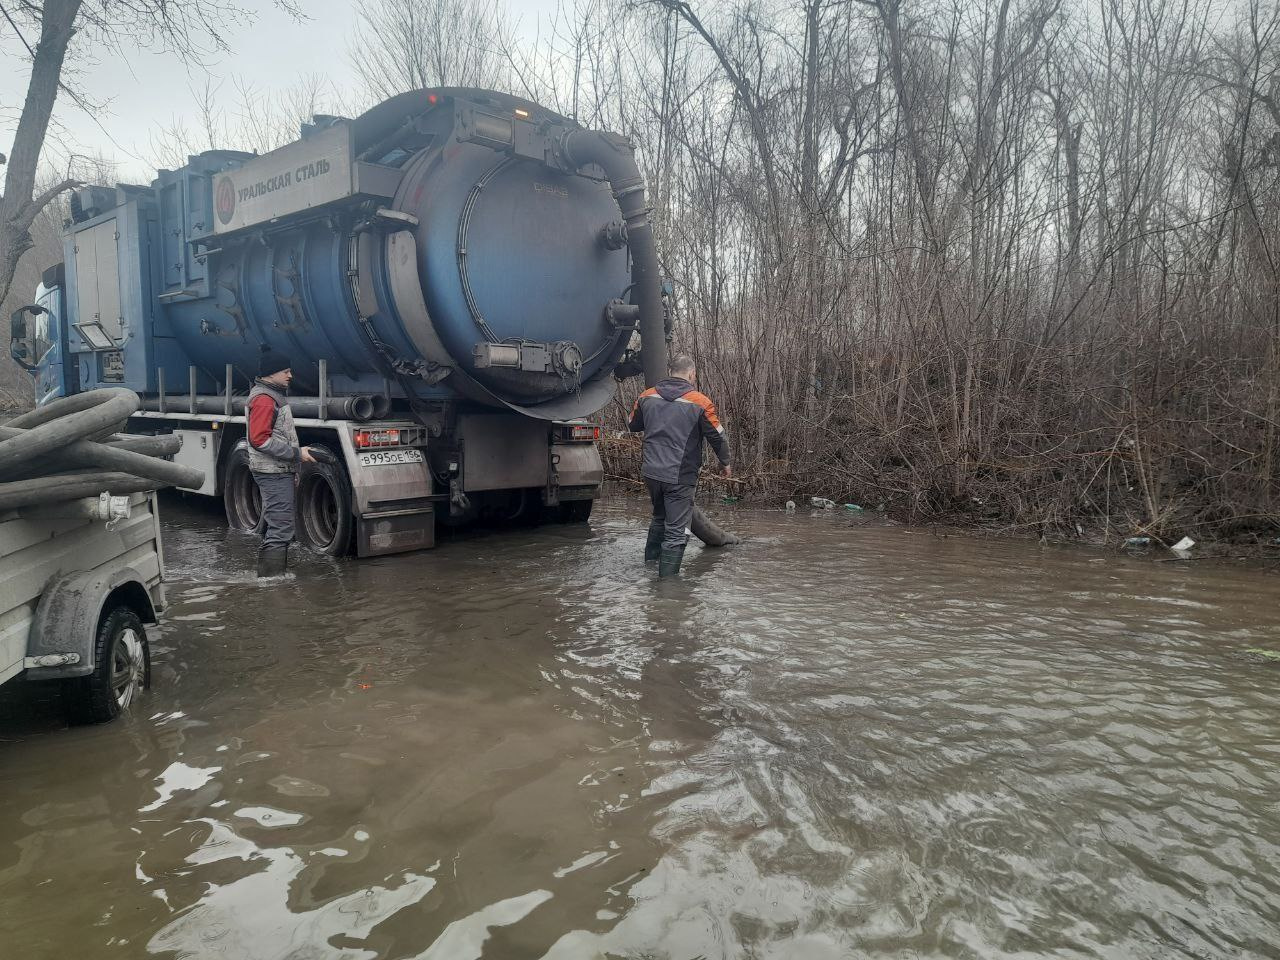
80	582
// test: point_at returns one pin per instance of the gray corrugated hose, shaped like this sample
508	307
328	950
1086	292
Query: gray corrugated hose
69	449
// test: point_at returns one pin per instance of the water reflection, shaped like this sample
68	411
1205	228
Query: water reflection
836	741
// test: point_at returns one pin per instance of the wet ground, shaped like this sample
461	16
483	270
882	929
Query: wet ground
833	741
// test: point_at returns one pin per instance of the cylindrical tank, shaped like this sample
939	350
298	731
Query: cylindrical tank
486	273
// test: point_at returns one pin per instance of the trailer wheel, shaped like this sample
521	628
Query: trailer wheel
575	511
121	669
240	496
324	505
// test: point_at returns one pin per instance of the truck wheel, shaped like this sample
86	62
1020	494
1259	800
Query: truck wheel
240	496
324	505
576	511
121	669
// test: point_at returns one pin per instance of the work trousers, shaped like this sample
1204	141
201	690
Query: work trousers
672	510
277	491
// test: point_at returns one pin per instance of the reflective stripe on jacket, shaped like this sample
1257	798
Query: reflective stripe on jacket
273	441
675	418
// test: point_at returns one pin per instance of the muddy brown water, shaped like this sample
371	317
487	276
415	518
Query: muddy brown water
833	741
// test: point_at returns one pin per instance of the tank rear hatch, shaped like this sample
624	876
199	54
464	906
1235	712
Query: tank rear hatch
518	259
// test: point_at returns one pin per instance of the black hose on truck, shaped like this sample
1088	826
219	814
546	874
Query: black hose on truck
615	155
69	449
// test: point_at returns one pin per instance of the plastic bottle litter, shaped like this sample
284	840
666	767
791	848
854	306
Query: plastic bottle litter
791	506
852	506
822	503
1183	545
1137	542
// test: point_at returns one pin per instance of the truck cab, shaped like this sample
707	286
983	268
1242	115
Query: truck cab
38	339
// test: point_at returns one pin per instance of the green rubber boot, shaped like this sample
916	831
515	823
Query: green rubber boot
669	562
653	546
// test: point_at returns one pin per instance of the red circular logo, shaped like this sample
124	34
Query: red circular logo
225	200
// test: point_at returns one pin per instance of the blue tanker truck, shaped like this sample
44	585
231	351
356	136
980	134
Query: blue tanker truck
458	276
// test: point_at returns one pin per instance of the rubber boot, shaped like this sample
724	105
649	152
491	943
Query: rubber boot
653	546
669	561
272	561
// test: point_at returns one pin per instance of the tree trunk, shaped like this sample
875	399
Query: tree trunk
18	206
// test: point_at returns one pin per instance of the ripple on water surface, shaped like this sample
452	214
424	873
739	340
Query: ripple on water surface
838	740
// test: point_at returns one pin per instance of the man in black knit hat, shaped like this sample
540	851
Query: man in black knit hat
274	458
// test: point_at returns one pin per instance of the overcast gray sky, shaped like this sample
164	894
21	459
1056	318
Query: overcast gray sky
146	91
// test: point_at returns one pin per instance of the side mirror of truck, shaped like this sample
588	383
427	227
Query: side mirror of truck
19	347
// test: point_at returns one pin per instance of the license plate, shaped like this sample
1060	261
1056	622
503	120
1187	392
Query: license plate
384	458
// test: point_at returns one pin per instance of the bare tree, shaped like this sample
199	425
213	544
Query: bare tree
189	29
249	118
404	45
1011	261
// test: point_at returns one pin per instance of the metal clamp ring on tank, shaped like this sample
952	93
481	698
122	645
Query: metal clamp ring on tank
464	222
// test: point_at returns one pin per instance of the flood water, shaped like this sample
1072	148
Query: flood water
834	741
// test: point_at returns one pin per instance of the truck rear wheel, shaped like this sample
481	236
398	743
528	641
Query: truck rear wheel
240	496
121	669
324	505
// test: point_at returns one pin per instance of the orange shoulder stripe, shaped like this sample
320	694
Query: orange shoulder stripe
702	400
651	392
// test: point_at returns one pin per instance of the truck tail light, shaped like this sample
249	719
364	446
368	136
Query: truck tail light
579	432
364	439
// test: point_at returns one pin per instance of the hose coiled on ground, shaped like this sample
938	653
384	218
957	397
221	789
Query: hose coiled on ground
69	449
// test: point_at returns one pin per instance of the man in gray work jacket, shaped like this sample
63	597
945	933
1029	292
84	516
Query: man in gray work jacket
274	458
675	418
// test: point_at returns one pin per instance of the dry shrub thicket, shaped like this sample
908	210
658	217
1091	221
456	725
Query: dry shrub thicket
978	260
996	260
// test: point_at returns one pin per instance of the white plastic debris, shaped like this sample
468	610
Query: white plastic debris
822	503
1183	545
791	506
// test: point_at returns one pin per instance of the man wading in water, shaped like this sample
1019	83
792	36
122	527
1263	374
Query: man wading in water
674	418
274	456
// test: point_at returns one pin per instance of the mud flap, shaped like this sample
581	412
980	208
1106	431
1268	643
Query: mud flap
397	532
